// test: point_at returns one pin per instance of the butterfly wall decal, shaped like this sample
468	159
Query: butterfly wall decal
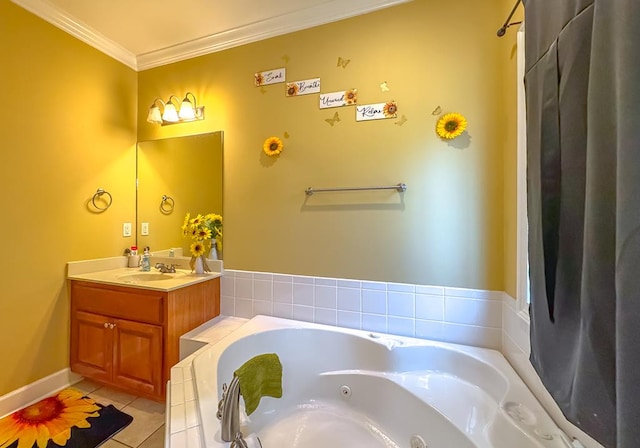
402	121
384	87
437	111
333	120
285	58
286	134
343	62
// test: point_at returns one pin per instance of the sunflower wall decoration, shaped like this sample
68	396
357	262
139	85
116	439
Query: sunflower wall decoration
451	125
272	146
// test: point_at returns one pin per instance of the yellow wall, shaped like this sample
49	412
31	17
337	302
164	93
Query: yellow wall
447	229
67	127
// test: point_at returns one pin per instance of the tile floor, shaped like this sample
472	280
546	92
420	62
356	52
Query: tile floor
147	429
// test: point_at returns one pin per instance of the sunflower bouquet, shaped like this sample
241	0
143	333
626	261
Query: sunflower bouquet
205	231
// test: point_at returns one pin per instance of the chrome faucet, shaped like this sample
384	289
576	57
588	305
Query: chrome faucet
165	269
229	411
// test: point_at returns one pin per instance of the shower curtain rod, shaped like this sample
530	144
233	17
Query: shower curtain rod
501	32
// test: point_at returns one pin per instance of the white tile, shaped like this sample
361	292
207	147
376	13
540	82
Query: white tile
401	326
282	278
187	372
401	287
189	391
374	302
177	393
178	418
473	293
228	286
244	274
303	279
516	327
178	439
326	316
229	273
427	289
325	297
244	288
349	283
193	438
483	313
191	413
374	322
227	306
176	375
262	307
472	335
263	276
349	319
429	307
262	290
323	281
349	299
284	310
283	292
400	304
303	294
87	386
244	308
428	329
380	286
303	313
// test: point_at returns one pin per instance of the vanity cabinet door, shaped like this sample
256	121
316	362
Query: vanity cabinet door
91	345
137	356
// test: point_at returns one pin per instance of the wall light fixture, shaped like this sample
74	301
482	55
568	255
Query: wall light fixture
174	111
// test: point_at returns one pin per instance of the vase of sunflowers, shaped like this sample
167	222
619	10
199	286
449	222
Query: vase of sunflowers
206	232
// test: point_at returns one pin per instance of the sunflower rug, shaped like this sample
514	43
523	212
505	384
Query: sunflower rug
67	419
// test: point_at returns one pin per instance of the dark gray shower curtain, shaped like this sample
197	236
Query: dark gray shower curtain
583	141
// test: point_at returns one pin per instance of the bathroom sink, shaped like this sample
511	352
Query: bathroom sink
148	276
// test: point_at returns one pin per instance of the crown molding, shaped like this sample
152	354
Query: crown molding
253	32
79	30
264	29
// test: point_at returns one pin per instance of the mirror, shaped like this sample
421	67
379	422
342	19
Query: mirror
176	176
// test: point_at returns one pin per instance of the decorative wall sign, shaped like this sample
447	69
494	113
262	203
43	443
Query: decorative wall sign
274	76
376	111
305	87
337	99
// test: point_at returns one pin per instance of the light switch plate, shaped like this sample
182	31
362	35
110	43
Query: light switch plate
126	229
144	228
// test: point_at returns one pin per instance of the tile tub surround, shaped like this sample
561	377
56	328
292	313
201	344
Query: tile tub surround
457	315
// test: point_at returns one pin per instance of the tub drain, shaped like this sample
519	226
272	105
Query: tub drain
345	391
417	442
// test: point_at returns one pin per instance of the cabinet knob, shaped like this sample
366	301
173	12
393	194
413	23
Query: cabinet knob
112	326
106	325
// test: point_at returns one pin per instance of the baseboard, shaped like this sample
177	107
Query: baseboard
36	391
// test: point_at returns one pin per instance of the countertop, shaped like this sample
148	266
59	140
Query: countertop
113	271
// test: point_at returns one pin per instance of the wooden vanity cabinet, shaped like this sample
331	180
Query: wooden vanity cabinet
130	337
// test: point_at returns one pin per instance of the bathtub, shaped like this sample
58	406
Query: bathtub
351	388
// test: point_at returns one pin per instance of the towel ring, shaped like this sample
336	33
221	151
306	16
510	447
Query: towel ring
167	204
98	194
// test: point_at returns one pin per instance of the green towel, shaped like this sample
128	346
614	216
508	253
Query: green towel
259	377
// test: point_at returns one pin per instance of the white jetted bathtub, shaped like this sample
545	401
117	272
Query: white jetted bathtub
350	388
